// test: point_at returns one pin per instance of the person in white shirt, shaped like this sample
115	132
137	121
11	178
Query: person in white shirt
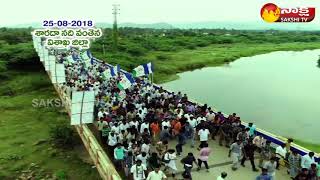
157	174
134	123
179	113
141	115
122	137
138	171
307	160
222	176
100	125
138	105
115	128
112	140
144	125
204	135
124	125
187	116
201	118
270	165
259	141
165	123
170	161
143	110
145	147
100	113
193	122
280	154
143	157
210	116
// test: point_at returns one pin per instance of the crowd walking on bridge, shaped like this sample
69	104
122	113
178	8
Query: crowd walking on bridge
138	124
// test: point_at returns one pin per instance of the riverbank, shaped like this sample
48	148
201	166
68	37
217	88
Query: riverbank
307	145
214	55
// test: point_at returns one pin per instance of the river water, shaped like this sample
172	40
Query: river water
279	91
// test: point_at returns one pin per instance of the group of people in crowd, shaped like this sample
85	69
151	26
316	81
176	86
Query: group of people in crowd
137	124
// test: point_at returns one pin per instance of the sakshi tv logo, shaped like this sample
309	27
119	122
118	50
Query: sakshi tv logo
272	13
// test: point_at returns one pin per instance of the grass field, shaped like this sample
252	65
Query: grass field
25	146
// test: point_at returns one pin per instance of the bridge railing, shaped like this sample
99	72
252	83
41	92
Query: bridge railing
102	162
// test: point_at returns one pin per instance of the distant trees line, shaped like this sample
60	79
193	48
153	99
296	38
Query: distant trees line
135	44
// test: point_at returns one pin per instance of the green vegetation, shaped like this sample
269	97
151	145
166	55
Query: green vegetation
174	51
311	146
26	147
62	135
319	62
26	143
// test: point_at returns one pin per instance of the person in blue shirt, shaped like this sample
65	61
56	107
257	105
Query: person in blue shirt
252	129
181	142
264	175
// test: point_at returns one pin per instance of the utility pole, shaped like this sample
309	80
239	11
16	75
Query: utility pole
115	26
103	49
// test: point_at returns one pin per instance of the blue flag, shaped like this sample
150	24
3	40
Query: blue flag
114	70
126	81
143	69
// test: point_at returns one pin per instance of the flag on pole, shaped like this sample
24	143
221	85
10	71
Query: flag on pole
111	71
126	81
92	61
114	70
86	55
143	69
107	74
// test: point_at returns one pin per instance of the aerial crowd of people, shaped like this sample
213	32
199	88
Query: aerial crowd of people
139	125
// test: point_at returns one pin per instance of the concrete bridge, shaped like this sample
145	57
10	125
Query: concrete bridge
218	161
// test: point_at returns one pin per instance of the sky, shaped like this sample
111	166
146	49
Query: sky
15	12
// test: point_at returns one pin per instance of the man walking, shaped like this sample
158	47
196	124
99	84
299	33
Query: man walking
264	175
294	164
235	154
307	160
265	153
249	153
138	170
157	174
280	154
204	156
271	165
204	135
188	162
